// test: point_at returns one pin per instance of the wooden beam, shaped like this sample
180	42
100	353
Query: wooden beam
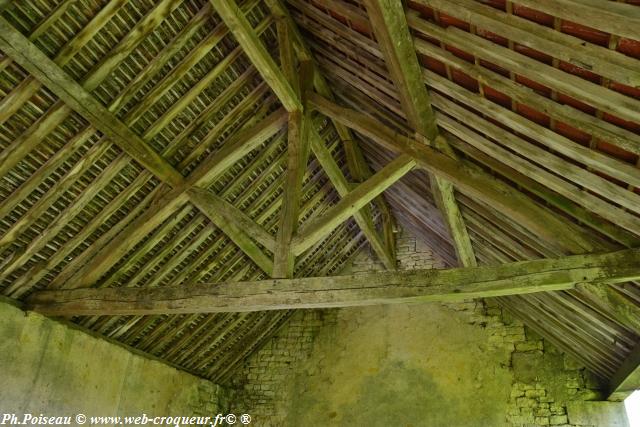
467	178
297	159
626	380
257	52
356	162
315	230
234	225
29	56
392	32
591	93
598	59
343	291
363	217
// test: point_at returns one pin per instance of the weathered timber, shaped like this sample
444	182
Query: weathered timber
626	379
352	290
257	52
363	217
586	91
470	180
297	157
598	59
617	18
79	99
311	232
392	32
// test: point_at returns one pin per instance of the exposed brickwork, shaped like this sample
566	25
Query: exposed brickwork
544	380
261	386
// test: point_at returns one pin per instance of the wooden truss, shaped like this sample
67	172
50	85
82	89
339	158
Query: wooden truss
304	94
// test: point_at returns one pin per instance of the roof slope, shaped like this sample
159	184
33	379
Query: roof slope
547	105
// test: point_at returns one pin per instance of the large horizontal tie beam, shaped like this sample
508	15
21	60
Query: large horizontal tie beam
312	232
342	291
240	27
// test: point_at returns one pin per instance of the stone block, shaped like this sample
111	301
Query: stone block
610	414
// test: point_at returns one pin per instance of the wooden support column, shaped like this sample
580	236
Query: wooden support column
356	163
342	291
392	31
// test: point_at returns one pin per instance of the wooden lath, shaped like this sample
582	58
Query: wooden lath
340	38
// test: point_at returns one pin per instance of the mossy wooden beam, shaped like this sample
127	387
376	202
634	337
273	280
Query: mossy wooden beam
356	162
471	181
79	99
313	231
257	52
29	56
363	217
342	291
297	158
392	32
237	226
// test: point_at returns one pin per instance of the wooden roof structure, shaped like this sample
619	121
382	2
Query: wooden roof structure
150	149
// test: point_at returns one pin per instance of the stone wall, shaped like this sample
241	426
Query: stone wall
54	369
459	364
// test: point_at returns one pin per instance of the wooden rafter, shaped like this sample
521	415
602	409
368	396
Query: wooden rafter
353	290
355	200
257	52
392	31
626	379
472	181
79	99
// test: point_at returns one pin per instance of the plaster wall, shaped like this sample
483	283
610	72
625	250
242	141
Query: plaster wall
50	368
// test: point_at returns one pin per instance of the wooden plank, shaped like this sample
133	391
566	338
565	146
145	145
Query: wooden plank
343	291
611	17
362	217
531	154
468	179
315	230
593	94
599	128
392	32
257	52
598	59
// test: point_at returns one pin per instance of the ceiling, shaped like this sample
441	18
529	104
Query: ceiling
541	97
